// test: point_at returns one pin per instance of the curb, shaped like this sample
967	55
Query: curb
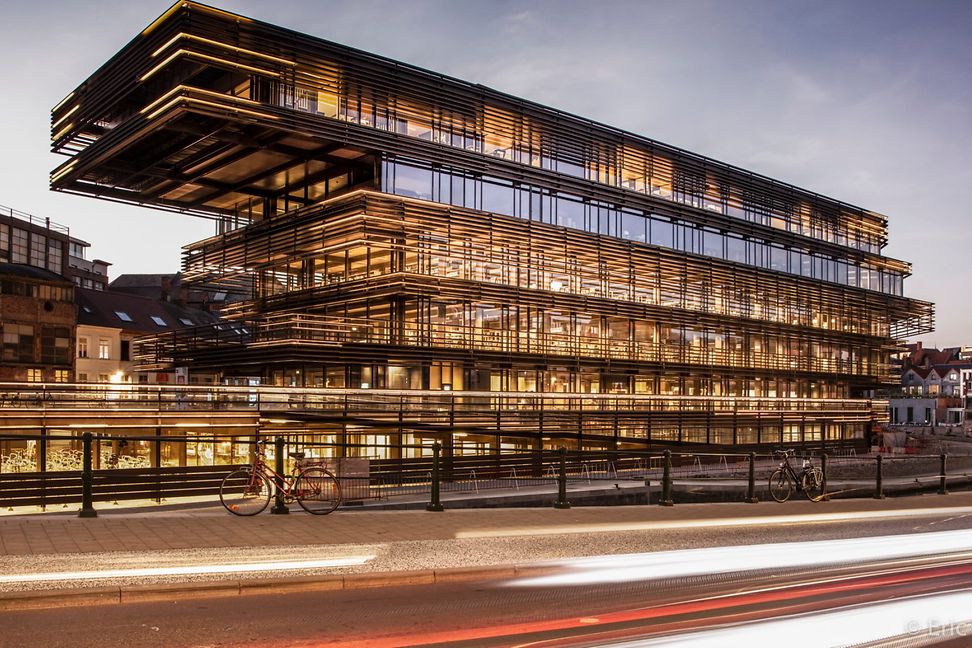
40	599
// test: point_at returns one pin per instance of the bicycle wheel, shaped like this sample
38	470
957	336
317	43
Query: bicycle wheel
244	492
317	491
780	485
812	481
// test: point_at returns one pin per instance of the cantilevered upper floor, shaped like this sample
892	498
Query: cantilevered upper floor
219	115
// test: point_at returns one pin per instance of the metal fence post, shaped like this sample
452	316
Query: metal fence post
751	490
943	487
879	478
823	472
87	478
279	507
666	497
435	505
562	502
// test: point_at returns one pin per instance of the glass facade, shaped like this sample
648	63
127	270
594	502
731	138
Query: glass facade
502	268
433	182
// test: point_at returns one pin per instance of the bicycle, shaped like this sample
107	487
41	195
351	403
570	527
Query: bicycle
784	479
247	491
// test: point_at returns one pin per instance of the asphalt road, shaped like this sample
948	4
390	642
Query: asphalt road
620	597
488	613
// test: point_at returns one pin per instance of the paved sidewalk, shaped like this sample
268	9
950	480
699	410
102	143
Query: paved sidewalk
165	554
213	527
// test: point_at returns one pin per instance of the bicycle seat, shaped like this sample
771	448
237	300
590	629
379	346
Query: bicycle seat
297	455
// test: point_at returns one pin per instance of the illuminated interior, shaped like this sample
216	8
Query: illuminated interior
391	228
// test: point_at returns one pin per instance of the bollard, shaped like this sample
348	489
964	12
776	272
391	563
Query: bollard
435	505
87	478
751	490
823	472
943	487
648	491
279	507
562	502
879	479
666	497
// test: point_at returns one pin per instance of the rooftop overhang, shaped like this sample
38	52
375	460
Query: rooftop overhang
206	153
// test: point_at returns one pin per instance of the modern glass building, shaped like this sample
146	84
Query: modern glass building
516	275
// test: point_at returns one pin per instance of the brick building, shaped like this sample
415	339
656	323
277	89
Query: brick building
38	321
42	243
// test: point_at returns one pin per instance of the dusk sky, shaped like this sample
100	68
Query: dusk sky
866	102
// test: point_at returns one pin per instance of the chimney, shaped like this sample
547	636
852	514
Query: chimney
166	288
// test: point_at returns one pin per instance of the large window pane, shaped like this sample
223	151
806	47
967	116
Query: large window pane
713	244
570	212
661	233
497	197
633	226
413	182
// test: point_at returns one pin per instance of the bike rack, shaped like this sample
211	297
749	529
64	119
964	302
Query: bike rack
585	471
697	464
725	464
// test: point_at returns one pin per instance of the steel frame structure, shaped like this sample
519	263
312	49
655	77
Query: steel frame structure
393	227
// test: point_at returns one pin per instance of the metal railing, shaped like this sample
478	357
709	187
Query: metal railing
322	330
53	396
89	470
46	223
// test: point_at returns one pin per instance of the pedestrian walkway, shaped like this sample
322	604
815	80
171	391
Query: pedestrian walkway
213	527
125	555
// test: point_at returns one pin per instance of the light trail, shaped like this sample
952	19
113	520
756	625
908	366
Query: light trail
617	627
926	619
775	520
718	560
185	570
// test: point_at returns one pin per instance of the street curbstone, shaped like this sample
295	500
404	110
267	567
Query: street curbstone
460	574
383	579
38	599
169	591
322	583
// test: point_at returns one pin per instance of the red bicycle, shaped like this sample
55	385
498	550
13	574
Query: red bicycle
247	491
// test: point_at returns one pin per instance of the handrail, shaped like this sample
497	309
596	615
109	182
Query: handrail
304	329
46	223
185	390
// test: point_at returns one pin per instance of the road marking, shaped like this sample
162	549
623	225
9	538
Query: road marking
186	570
769	520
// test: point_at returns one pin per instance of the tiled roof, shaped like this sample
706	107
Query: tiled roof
140	280
135	313
943	369
30	272
921	372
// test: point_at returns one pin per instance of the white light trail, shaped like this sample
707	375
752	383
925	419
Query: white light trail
716	560
774	520
185	570
926	620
